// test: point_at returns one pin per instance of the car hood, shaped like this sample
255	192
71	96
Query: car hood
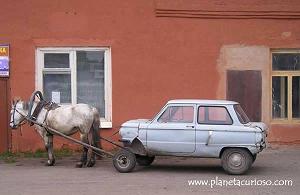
261	125
135	123
130	129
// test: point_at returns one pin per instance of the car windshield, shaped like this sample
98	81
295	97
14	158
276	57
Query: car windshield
243	118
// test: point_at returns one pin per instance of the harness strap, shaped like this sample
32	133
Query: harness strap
42	104
46	117
49	106
37	94
37	111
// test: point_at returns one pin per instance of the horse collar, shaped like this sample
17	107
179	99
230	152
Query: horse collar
40	105
36	111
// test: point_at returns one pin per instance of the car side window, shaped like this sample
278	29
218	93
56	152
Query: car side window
214	115
177	114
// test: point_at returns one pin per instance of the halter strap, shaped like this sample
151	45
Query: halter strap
14	112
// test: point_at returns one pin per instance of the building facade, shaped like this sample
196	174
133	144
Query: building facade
127	58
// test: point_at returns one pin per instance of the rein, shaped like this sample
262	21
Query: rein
23	121
32	116
56	132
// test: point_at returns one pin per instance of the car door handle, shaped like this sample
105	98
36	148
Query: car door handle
190	126
209	137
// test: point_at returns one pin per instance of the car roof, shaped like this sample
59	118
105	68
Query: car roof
200	101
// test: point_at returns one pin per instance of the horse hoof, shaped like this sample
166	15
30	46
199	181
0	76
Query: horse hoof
90	163
50	162
79	165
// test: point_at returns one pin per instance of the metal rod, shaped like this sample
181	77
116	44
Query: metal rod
70	138
77	141
113	143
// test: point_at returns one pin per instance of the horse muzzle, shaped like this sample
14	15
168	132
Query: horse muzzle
13	126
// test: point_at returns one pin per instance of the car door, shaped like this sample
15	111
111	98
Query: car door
173	130
213	123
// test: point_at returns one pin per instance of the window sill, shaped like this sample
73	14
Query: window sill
285	122
105	124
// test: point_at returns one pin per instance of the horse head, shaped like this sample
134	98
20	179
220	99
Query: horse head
18	112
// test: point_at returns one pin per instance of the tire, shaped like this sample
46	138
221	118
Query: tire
144	160
236	161
124	161
253	158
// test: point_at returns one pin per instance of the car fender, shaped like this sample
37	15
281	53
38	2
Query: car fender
135	146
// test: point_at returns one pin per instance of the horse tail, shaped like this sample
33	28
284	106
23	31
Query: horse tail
96	128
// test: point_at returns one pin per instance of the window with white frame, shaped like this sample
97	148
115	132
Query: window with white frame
76	75
286	85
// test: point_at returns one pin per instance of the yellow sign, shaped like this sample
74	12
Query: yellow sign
4	51
4	60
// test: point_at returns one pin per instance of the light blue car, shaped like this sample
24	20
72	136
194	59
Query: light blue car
193	128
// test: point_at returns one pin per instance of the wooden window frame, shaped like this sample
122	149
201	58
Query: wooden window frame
105	122
289	75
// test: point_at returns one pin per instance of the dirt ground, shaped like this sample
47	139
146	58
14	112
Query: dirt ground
167	175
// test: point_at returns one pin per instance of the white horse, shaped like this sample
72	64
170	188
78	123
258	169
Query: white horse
67	119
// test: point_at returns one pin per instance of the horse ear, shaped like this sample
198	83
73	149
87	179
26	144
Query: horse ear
16	99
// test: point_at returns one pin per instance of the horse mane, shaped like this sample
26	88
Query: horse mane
25	105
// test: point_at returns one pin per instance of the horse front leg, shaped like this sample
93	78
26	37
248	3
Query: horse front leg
48	138
91	159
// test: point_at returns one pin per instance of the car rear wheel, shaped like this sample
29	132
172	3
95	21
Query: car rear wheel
236	161
124	161
144	160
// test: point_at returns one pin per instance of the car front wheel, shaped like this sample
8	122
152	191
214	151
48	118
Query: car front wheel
144	160
236	161
124	161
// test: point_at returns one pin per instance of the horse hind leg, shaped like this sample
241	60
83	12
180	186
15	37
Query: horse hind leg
83	158
91	160
96	137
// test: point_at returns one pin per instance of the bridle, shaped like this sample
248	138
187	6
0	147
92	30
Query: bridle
28	117
23	121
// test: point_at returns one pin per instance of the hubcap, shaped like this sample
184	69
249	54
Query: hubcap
123	161
235	159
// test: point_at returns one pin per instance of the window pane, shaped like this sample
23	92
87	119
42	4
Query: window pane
56	60
243	118
201	114
286	61
279	97
57	87
214	115
296	96
90	79
182	114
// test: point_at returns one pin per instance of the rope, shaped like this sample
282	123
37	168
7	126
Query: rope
95	149
114	134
